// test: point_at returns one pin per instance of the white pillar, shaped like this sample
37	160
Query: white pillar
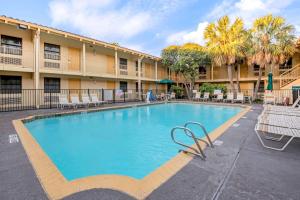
36	46
83	60
116	63
139	78
156	70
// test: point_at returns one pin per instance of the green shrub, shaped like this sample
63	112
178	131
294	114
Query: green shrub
178	90
208	87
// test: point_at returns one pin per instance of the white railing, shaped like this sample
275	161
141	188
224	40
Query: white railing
290	76
51	56
10	50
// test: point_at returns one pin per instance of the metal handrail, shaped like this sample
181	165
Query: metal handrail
209	143
198	152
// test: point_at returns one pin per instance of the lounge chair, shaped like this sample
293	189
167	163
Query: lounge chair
63	101
76	102
269	98
205	96
173	95
279	120
220	97
197	96
281	132
229	97
86	100
95	100
239	98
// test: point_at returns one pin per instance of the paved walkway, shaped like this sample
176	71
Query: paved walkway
240	168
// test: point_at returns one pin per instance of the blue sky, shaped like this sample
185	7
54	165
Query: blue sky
145	25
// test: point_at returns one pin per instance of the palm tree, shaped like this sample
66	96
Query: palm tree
224	43
271	43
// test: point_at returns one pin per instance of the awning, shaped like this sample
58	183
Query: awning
165	81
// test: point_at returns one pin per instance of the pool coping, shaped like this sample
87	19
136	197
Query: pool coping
56	186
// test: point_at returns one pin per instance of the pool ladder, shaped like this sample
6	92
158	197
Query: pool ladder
188	132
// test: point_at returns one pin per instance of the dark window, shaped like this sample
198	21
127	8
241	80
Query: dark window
202	70
286	65
52	85
137	86
11	41
51	51
123	85
256	67
11	84
123	61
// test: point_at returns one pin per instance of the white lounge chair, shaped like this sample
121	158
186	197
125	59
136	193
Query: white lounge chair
281	132
173	95
197	96
220	97
63	101
239	98
229	97
269	98
76	102
86	100
95	100
205	96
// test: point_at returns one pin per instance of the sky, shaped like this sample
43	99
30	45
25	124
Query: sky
145	25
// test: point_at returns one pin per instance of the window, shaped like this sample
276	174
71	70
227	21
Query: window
123	66
286	65
123	86
202	72
137	68
11	45
10	84
52	85
51	51
256	67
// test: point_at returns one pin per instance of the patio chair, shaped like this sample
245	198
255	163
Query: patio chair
239	98
229	97
269	98
95	100
63	101
219	98
173	95
197	96
279	120
86	100
205	96
76	102
280	133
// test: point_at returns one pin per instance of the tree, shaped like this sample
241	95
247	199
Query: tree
224	43
271	42
185	60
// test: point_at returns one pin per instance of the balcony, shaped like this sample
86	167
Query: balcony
11	55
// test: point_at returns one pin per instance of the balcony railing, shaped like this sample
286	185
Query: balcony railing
51	56
10	50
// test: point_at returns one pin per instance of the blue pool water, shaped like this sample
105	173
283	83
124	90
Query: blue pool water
131	142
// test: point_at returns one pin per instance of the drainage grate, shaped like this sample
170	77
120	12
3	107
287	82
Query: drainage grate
13	138
244	117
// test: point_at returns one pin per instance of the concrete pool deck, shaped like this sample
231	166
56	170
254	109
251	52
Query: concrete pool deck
238	169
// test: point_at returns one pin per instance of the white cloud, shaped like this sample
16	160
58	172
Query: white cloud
110	19
185	36
248	10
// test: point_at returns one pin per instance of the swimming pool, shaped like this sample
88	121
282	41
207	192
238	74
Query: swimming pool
130	142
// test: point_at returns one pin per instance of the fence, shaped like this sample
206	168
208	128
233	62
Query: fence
28	99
